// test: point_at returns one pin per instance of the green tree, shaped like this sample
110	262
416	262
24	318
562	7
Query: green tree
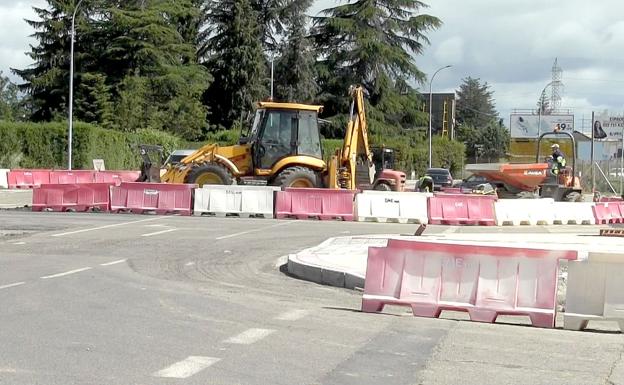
475	103
235	60
11	105
480	127
295	73
93	102
47	80
115	40
373	43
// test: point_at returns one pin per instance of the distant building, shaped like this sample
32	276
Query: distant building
443	113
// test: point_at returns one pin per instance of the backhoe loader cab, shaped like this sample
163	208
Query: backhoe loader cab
282	147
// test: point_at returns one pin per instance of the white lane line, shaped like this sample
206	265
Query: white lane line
105	227
187	367
158	232
12	285
249	336
113	263
66	273
254	230
19	243
292	315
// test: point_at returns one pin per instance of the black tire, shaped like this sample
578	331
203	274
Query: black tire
573	197
209	173
297	176
382	187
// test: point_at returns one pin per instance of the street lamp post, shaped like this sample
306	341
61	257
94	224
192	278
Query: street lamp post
539	109
430	109
71	87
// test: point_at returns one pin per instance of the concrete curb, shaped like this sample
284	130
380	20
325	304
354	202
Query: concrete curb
323	276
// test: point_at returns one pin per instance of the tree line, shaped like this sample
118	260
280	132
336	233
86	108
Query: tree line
190	67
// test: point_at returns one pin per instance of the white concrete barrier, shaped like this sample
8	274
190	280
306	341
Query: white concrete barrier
386	206
4	183
595	291
236	200
574	213
524	211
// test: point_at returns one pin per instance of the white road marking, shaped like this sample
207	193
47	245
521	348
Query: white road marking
189	264
292	315
11	285
105	227
249	336
158	232
113	263
187	367
66	273
19	243
254	230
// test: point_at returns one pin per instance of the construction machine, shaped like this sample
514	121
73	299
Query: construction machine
535	179
283	148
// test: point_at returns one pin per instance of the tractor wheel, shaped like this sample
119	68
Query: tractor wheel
573	197
297	177
382	187
209	173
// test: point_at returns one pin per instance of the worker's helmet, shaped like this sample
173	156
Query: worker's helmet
554	146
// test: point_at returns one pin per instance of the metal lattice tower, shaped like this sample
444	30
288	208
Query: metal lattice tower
556	87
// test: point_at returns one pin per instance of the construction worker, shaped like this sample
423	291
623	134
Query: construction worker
425	184
559	161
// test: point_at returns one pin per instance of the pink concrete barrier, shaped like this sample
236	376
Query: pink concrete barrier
72	177
608	212
160	198
72	197
462	209
484	281
304	203
26	179
117	177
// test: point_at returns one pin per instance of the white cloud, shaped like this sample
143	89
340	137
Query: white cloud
14	34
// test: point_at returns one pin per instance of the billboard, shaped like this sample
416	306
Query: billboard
608	127
533	125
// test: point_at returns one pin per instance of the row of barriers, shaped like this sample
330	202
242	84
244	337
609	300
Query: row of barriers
269	202
28	179
487	281
129	197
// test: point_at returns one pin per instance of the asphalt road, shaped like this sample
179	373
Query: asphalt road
127	299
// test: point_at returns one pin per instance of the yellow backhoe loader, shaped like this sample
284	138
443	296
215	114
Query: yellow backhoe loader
283	148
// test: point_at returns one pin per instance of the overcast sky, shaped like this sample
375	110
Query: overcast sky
511	44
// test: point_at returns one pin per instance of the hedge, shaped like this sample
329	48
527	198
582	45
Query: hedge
44	145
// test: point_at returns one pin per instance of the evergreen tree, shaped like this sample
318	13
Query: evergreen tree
47	81
372	43
479	125
295	74
235	59
151	39
475	103
93	100
153	44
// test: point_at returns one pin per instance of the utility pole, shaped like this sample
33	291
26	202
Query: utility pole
71	87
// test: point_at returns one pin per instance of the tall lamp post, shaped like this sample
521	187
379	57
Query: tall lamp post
430	109
539	110
71	87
